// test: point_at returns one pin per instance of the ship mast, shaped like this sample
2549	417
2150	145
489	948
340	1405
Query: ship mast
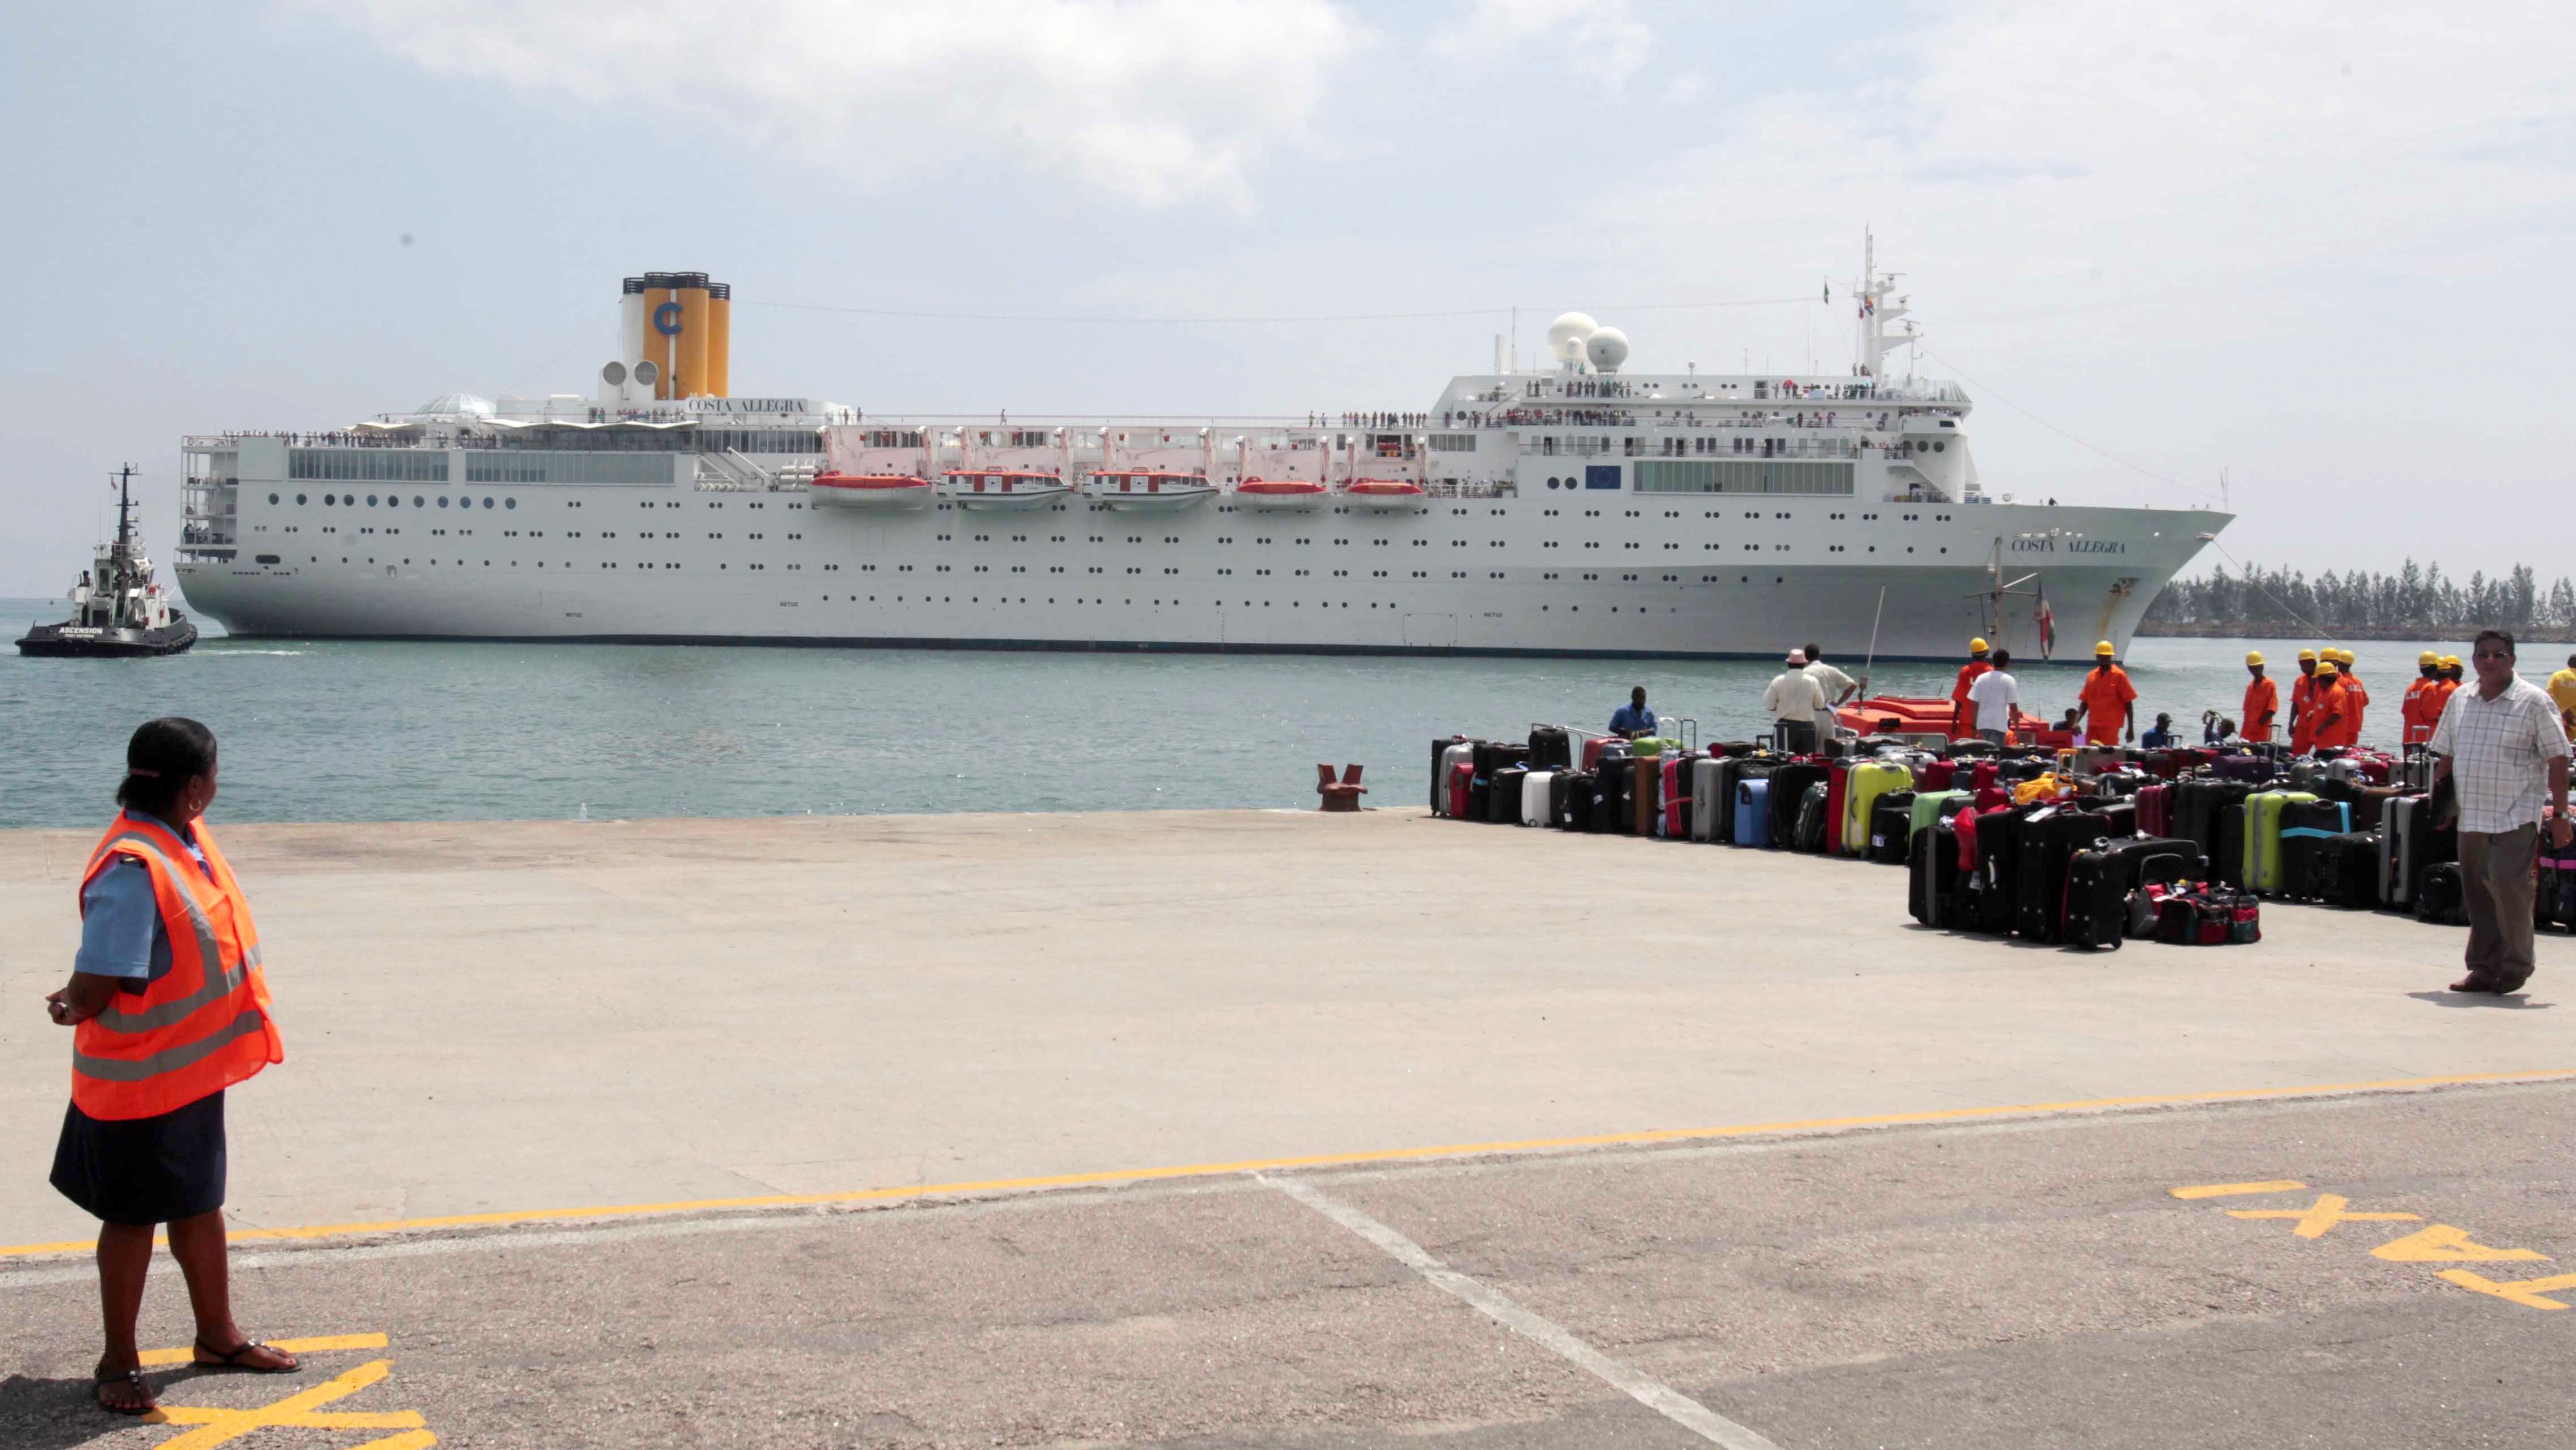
1877	310
123	556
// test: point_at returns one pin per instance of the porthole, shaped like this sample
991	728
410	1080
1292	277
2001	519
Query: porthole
371	500
442	500
509	503
487	501
272	498
299	498
418	502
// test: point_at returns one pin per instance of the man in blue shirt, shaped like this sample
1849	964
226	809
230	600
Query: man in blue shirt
2161	737
1633	719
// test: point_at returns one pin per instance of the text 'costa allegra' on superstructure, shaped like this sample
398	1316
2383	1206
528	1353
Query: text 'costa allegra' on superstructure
1576	509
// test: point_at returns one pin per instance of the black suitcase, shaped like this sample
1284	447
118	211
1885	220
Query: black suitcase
1891	822
2305	827
2119	818
2099	882
1788	793
2347	871
2197	804
1550	748
1503	798
1614	811
1932	874
2414	845
1810	836
1994	891
2050	837
1730	770
2231	846
1569	800
2437	895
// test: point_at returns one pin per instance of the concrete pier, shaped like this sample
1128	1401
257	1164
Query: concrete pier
549	1023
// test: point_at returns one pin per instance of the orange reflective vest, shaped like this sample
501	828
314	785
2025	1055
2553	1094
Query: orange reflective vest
2106	696
2262	703
2303	713
2422	709
204	1024
2330	711
1963	716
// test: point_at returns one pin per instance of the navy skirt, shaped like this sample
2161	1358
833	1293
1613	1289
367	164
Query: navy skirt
144	1170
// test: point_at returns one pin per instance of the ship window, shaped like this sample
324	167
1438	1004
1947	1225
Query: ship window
442	500
420	503
272	498
510	503
299	498
487	501
371	500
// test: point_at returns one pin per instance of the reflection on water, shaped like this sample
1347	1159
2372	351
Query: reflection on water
328	730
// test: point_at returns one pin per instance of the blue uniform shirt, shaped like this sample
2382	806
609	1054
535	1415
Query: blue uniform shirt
2157	740
121	931
1632	717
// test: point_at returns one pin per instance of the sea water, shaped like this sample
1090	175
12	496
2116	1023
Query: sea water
343	730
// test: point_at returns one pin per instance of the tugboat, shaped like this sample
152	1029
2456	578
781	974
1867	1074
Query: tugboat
119	611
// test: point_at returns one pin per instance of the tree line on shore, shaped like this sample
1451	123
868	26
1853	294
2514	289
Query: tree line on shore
2415	602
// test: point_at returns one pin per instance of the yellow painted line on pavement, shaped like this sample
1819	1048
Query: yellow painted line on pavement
1323	1160
319	1344
2227	1190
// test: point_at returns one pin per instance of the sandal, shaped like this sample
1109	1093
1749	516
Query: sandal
232	1358
142	1403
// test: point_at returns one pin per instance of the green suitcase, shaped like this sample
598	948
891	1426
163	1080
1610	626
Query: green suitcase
1927	809
2263	838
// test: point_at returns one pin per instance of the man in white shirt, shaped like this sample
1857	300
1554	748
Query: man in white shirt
1996	697
1794	700
2499	745
1834	685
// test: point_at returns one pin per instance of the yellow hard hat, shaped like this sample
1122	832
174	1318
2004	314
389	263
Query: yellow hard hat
2104	648
2428	657
2450	662
2253	657
2343	657
2325	668
1977	646
2307	654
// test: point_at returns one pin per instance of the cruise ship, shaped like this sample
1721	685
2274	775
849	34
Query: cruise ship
1567	508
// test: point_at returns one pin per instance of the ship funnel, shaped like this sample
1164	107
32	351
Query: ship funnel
681	324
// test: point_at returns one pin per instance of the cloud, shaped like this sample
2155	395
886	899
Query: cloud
1596	38
1155	100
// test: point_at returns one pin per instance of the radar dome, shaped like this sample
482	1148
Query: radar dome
1607	349
1566	334
457	405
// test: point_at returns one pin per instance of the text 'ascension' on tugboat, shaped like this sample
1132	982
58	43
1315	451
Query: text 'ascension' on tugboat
118	609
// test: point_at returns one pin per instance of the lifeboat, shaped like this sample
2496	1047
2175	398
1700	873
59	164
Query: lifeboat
1001	489
1281	493
868	491
1147	492
1897	715
1383	493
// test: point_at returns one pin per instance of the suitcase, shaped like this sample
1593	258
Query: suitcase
1753	812
1704	798
1597	748
2050	837
1538	791
1550	748
2100	881
1731	772
2553	900
1932	875
2229	859
2155	810
1789	792
1462	782
1986	775
1870	780
1504	795
1891	828
2119	818
1930	806
2263	838
1935	774
2213	917
1678	774
1645	795
1569	801
2245	769
2369	803
1837	804
1444	755
1993	892
2344	871
1809	834
2305	826
2196	807
2437	895
1614	806
1480	797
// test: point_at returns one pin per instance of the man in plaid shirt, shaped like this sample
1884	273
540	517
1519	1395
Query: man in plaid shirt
2500	744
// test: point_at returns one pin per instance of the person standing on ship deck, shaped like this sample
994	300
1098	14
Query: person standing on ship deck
1632	720
2262	701
1834	685
1794	699
2109	701
2500	745
1963	716
169	1007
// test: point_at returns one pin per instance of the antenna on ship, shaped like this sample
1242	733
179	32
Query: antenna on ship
124	527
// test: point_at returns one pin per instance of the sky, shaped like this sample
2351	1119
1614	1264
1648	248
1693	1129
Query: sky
2305	248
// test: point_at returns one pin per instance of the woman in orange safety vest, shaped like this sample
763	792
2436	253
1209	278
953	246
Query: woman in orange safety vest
169	1008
